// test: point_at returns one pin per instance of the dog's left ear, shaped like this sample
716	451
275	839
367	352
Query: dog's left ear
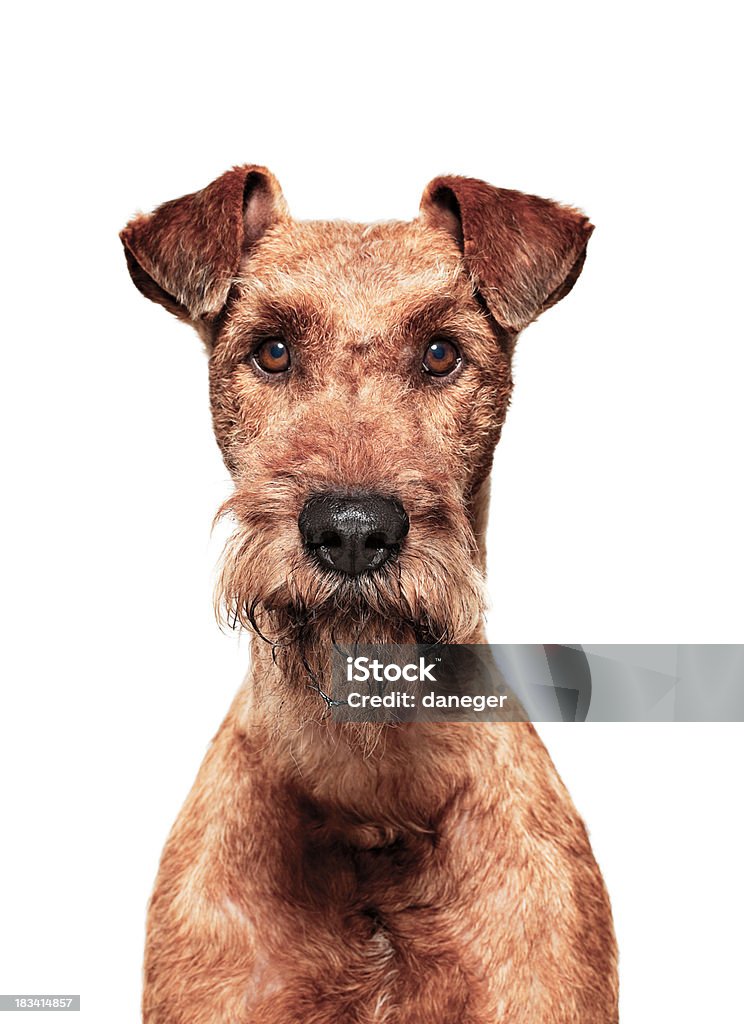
523	253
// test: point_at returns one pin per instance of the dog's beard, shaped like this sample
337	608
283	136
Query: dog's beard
432	592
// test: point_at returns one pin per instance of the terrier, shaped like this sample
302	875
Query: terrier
326	872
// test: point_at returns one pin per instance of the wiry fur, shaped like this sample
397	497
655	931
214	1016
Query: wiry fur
322	872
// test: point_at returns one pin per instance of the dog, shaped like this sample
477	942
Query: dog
323	872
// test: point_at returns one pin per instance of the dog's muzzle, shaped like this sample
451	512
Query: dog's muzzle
353	534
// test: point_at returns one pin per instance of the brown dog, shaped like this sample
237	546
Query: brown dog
326	872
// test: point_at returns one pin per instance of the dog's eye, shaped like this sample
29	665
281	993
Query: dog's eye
441	357
272	356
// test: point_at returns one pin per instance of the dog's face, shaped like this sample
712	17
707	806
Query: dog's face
359	378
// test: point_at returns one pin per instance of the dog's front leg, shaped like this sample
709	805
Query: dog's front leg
209	925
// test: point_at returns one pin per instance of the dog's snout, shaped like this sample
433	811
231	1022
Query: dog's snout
353	534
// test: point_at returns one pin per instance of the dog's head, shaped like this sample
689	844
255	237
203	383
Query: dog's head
360	375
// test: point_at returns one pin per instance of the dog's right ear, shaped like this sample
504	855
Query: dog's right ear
186	254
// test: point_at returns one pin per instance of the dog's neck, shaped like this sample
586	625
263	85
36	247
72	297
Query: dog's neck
370	774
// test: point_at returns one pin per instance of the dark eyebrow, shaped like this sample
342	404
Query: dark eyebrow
295	316
428	316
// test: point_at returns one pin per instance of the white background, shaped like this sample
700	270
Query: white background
617	497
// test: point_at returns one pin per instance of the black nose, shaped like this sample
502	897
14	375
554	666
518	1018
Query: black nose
353	534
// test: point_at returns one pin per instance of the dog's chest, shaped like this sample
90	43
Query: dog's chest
367	927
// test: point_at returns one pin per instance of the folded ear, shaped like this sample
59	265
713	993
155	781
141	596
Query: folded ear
523	253
186	254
